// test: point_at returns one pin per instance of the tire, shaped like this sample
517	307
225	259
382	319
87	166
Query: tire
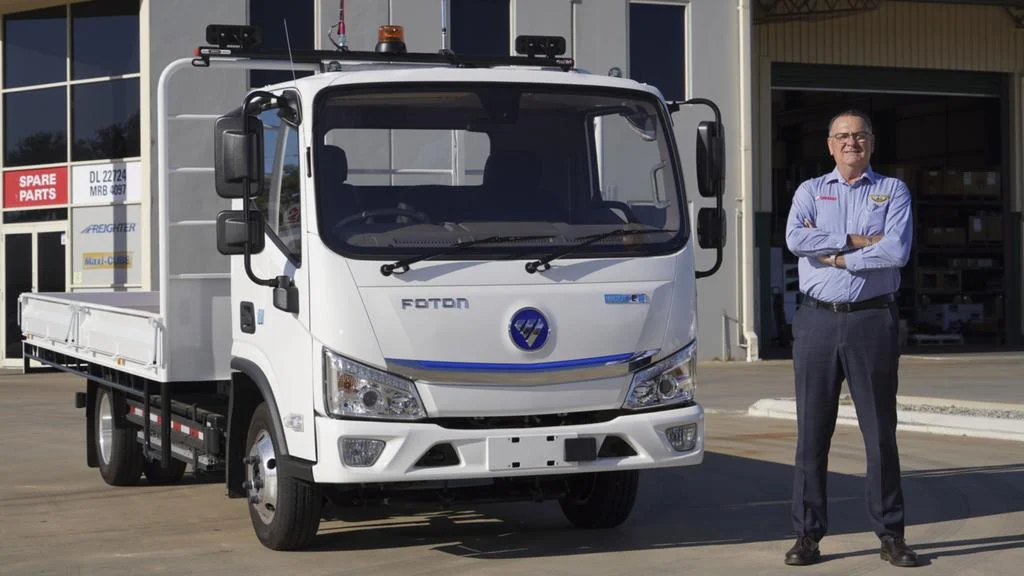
285	511
118	454
600	500
155	473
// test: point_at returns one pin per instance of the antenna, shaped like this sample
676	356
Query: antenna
341	43
288	41
444	27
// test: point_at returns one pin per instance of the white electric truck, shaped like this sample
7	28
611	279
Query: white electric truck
519	324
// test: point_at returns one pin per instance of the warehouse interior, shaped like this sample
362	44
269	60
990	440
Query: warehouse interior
952	151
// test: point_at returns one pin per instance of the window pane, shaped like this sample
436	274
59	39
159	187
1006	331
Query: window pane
480	27
537	164
104	38
106	120
270	16
23	216
656	48
280	202
35	127
35	47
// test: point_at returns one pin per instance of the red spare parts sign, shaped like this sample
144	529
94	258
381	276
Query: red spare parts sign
34	188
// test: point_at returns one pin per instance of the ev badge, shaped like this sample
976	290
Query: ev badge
528	329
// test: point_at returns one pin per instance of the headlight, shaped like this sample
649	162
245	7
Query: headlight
670	381
355	390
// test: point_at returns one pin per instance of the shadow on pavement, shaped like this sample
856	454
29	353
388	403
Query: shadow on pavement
727	500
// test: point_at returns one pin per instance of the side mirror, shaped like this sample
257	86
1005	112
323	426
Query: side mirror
711	228
238	155
286	295
232	235
710	159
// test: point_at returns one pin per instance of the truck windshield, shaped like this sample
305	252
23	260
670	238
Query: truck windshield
406	170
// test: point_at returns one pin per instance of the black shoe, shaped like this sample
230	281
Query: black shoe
896	552
804	552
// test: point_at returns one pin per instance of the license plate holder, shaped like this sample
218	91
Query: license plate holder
533	451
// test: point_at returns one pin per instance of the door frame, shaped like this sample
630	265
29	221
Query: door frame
34	229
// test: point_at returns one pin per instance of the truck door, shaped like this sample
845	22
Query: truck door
276	340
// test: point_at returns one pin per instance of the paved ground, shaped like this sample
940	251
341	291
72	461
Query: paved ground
734	386
965	501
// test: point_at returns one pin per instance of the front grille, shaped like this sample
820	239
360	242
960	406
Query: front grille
532	421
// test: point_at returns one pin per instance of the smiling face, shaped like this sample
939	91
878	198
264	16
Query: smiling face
850	142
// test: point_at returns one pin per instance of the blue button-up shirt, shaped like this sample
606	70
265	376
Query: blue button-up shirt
871	205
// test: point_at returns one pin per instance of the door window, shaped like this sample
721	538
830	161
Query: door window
281	201
50	273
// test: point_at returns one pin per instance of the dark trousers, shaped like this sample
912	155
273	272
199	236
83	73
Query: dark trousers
863	348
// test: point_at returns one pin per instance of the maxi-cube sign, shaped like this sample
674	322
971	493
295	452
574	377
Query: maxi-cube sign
36	188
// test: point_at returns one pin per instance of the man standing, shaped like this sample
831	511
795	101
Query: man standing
852	231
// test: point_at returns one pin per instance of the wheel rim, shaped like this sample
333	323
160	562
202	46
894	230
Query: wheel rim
261	477
105	428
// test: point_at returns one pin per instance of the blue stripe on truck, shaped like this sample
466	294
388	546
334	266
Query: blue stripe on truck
506	367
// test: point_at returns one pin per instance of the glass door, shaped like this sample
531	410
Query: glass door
34	260
17	279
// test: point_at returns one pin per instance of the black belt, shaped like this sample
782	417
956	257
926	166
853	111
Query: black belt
874	303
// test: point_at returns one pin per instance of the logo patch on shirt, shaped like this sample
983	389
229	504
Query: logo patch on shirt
879	198
823	197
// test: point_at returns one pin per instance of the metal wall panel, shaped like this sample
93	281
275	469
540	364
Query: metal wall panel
901	34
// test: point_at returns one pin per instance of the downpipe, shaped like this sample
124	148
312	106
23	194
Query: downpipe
746	185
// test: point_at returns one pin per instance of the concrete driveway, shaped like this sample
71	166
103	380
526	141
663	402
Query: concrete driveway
964	497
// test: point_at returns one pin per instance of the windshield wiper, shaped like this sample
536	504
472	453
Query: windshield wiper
402	266
544	263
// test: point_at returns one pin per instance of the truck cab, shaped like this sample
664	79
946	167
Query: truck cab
471	272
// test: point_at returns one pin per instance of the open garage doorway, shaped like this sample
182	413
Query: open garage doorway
959	288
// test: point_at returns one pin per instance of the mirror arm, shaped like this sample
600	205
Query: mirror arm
718	260
718	251
674	106
247	105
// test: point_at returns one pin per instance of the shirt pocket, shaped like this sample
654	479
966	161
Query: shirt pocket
874	218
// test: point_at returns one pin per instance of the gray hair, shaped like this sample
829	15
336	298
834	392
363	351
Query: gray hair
855	114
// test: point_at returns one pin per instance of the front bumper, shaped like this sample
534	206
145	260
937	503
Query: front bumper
486	453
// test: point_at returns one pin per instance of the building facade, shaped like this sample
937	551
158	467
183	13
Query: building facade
79	82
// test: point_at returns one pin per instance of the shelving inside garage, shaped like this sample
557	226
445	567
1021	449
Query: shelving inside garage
950	152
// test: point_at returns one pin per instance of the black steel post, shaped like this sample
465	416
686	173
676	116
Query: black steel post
165	424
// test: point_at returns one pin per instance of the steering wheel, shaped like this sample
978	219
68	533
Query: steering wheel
626	210
366	215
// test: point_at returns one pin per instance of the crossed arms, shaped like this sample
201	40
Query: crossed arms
855	252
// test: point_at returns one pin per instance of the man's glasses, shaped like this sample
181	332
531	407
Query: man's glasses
860	137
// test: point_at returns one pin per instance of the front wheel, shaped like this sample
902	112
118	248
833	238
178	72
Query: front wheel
602	499
285	511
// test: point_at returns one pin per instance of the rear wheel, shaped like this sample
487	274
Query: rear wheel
120	456
601	500
157	474
285	511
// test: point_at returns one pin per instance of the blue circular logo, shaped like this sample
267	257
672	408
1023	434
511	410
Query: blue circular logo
529	329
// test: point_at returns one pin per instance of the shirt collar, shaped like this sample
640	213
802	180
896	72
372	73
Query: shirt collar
869	177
